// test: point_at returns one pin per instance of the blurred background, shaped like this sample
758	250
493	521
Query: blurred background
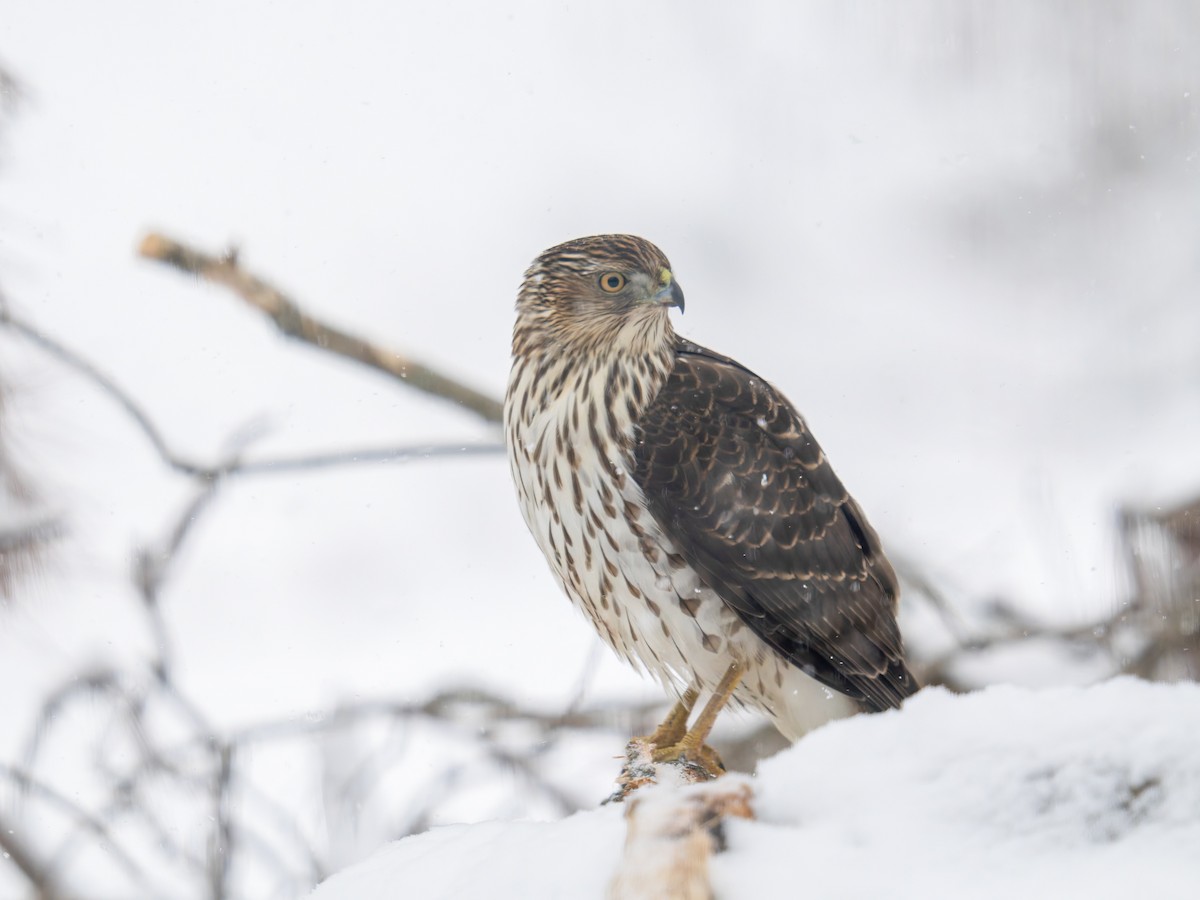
963	237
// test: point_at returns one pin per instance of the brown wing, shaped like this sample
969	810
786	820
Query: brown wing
732	475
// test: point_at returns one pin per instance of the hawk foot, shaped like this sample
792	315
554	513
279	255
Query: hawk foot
691	753
685	762
674	726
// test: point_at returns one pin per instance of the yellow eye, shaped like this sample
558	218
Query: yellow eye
611	282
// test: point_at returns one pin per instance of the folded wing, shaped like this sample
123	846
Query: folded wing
732	474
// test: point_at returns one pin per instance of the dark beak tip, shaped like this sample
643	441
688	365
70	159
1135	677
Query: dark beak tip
676	295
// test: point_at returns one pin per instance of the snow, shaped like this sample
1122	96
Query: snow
1007	792
573	857
1003	793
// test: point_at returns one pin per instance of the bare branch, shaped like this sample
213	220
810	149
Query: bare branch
21	546
83	820
235	466
220	847
467	706
1018	629
74	361
367	455
524	766
18	853
12	91
27	528
295	323
152	565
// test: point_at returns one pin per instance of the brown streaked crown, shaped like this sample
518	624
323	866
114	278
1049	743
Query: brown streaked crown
588	254
561	301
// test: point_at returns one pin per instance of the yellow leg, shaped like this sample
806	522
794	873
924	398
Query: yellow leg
691	745
674	726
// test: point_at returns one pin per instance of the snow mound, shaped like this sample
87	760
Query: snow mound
1090	792
1007	792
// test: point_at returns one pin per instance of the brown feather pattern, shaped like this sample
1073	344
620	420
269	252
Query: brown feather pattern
731	472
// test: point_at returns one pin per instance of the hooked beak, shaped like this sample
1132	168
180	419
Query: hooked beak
670	294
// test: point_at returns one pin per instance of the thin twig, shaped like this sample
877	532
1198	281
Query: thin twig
450	706
284	822
220	848
360	457
20	855
236	466
73	360
912	573
526	768
83	820
151	567
292	321
1095	634
12	91
87	684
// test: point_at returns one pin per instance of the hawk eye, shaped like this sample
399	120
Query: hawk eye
611	282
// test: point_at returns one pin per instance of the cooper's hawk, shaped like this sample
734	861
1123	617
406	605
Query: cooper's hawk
685	507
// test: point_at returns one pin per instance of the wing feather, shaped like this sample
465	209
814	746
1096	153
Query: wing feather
732	474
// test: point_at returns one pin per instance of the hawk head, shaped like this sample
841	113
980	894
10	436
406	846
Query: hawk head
609	291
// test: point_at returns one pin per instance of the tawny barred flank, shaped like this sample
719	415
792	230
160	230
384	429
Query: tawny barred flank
685	507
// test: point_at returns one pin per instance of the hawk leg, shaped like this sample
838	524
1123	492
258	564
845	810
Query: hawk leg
674	726
690	746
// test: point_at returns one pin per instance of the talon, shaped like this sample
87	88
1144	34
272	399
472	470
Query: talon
693	754
673	742
674	726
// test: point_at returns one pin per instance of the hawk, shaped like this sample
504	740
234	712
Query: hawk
686	509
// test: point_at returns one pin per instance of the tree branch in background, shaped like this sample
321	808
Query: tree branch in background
84	822
73	360
15	852
12	92
1162	553
294	322
234	466
26	528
